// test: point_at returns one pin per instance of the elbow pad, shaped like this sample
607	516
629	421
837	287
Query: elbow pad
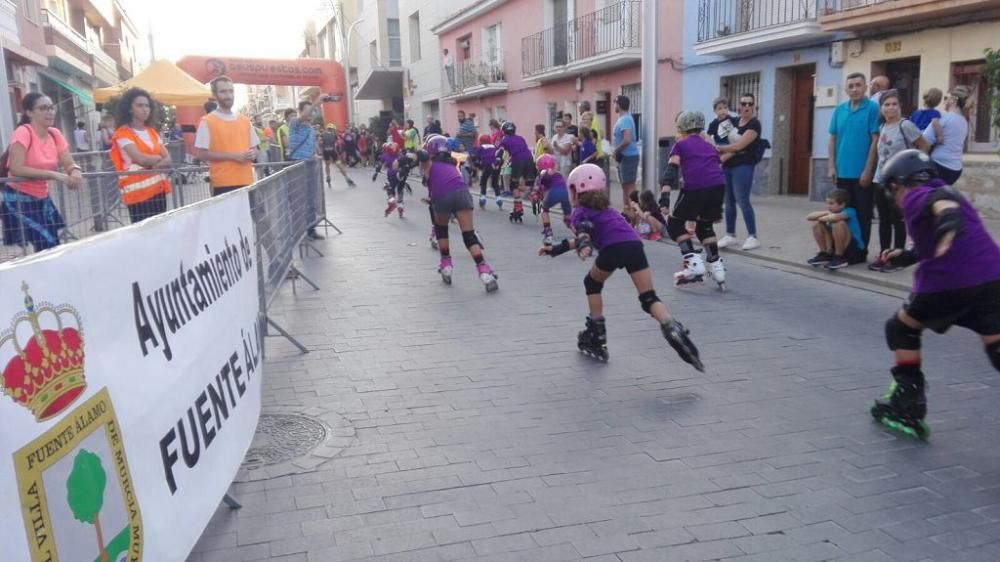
948	220
670	175
585	227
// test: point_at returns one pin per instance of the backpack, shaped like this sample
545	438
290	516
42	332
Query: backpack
762	146
5	157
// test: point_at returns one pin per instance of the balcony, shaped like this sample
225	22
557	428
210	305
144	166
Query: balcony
605	39
861	16
740	27
66	48
105	67
474	80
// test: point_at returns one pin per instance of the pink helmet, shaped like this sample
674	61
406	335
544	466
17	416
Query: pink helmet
546	162
586	177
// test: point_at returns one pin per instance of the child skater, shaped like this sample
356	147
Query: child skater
552	186
700	200
650	221
450	194
602	229
957	282
393	186
484	158
522	166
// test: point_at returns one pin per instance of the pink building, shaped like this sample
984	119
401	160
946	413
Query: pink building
528	60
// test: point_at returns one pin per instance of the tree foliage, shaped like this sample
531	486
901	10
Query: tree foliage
85	487
991	70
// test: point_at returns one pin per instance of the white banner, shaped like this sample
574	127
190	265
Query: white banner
131	368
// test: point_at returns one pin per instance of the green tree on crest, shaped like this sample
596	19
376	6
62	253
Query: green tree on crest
85	493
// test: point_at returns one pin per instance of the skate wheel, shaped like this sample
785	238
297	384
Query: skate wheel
492	286
722	287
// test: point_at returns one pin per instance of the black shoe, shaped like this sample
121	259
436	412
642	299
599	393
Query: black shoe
838	262
819	259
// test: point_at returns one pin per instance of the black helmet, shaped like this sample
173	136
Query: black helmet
508	128
908	167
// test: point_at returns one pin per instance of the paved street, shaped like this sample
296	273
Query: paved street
465	425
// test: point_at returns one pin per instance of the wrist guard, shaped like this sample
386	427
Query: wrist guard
664	200
948	220
560	248
906	259
583	242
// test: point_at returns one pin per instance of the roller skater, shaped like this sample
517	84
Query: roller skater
957	282
522	166
394	184
484	159
550	187
700	200
449	194
601	229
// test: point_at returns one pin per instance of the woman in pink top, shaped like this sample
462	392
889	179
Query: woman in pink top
37	149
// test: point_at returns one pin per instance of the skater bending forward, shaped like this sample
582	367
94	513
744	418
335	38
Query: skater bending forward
552	191
700	200
601	229
957	282
450	194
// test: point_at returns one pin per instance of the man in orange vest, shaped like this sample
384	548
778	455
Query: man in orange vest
136	146
227	141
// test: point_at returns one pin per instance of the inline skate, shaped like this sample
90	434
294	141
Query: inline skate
593	340
517	215
547	236
399	209
677	336
903	407
433	239
693	272
488	277
445	270
717	269
390	207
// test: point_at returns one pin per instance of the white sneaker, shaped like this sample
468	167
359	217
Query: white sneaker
727	240
751	243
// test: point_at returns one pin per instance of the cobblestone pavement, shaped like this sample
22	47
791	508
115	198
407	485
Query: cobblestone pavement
465	425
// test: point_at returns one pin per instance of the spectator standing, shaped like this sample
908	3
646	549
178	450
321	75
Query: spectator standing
176	133
496	135
542	145
433	127
573	130
588	148
587	120
923	116
739	168
449	69
350	138
626	149
363	149
853	143
563	145
466	131
411	136
281	134
81	138
37	150
264	147
227	141
105	131
947	135
136	146
895	135
395	135
878	85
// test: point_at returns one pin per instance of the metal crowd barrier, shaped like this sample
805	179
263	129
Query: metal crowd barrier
285	205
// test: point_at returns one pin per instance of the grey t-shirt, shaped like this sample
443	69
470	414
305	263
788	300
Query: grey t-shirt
894	138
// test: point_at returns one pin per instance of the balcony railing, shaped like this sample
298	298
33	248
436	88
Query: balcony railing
607	30
723	18
62	29
835	6
472	75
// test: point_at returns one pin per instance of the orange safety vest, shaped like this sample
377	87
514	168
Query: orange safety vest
229	136
137	188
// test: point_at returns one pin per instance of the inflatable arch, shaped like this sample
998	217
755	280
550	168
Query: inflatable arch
326	74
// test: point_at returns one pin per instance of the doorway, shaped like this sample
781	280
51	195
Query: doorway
904	77
801	134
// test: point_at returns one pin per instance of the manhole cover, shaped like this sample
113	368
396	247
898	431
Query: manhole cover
282	437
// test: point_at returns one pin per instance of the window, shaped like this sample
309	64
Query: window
732	87
634	94
500	113
415	37
395	48
31	10
491	44
982	135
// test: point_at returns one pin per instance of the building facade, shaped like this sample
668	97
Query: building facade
919	44
529	60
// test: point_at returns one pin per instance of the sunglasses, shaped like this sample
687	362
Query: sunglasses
746	103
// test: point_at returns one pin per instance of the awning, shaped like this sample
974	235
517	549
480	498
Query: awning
381	84
167	83
84	96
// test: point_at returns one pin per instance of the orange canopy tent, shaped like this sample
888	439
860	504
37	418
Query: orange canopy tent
167	83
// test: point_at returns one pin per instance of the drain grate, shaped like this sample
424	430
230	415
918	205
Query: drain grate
282	437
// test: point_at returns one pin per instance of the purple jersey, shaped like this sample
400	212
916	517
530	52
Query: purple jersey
387	161
700	164
485	155
517	148
551	181
609	226
973	259
444	178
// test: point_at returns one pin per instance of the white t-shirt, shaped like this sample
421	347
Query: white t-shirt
892	139
448	61
80	140
559	142
954	129
202	139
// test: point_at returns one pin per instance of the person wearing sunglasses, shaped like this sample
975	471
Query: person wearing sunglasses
38	153
739	170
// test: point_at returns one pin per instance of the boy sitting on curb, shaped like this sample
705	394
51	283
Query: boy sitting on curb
837	233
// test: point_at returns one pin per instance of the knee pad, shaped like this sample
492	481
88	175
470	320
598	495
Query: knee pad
675	228
993	350
441	231
593	286
470	238
703	230
648	299
900	336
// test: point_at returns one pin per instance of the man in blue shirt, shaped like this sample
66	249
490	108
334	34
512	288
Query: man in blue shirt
302	143
853	143
626	150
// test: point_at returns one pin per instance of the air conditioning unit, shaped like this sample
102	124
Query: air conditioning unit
837	54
